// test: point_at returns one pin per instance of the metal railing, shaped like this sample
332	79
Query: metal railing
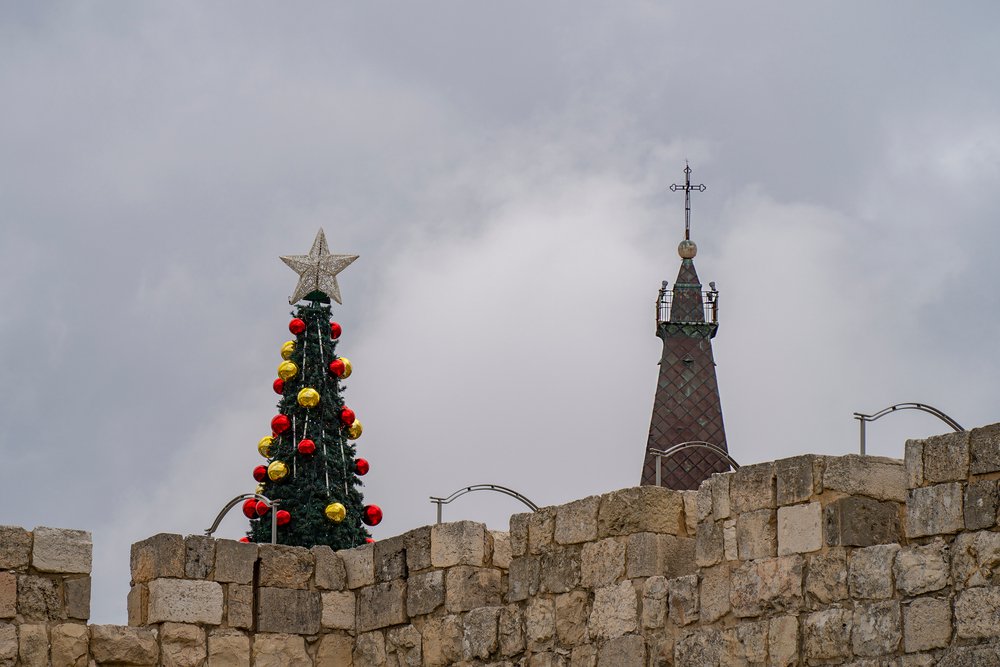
661	454
709	299
481	487
235	501
929	409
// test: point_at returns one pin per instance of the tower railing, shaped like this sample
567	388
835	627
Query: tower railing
709	299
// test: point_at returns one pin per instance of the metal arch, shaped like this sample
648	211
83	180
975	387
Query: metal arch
235	501
923	407
481	487
661	454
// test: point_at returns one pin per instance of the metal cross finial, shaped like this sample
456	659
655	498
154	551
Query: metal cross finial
687	188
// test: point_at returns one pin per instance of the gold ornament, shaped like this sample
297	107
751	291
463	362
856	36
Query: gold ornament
354	430
335	512
318	270
287	370
308	397
287	349
264	446
347	368
259	490
277	470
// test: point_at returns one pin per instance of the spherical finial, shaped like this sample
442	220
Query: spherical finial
687	249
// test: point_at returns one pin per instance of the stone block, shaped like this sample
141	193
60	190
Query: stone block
767	584
641	509
541	530
783	641
239	605
15	548
359	564
970	656
795	479
870	574
403	646
861	522
976	612
926	625
137	604
459	543
690	499
935	510
984	449
872	476
185	601
8	644
280	650
826	577
61	550
615	611
826	635
655	600
585	655
199	557
756	535
683	599
718	483
443	638
922	569
162	555
714	594
381	605
425	592
470	587
576	522
182	645
524	577
285	567
645	554
39	598
981	503
335	650
701	647
703	501
234	561
519	534
974	559
418	548
511	631
33	645
8	595
339	610
729	542
746	643
389	559
877	629
369	649
540	623
752	488
229	648
602	562
77	595
914	463
115	644
800	529
946	458
501	549
289	611
630	650
709	543
70	644
330	574
560	569
572	612
480	637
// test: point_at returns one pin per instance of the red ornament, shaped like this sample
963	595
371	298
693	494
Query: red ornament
261	508
283	517
371	515
335	330
278	386
280	424
260	473
337	367
361	466
296	326
250	508
347	416
307	447
370	540
244	539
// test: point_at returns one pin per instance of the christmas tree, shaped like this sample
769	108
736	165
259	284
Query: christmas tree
312	474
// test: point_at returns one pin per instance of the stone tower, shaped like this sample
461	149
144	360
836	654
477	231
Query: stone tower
687	408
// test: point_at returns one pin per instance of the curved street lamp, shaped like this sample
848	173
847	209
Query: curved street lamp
481	487
929	409
661	454
245	496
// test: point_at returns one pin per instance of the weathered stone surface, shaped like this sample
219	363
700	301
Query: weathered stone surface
641	509
8	645
510	630
746	643
185	601
425	592
870	575
648	554
917	660
418	548
382	605
719	485
77	594
872	476
458	543
279	650
861	522
703	500
975	559
714	594
585	655
15	548
877	628
702	648
369	650
926	625
946	457
389	559
683	600
922	569
572	613
339	610
615	611
239	605
443	637
182	645
800	529
38	598
234	561
826	635
752	488
690	499
795	479
403	646
783	641
602	562
330	574
33	645
480	638
560	569
708	543
230	648
914	461
984	449
630	650
756	535
981	503
729	543
971	656
359	563
70	644
137	603
123	645
162	555
61	550
335	650
291	611
977	611
519	534
541	530
199	557
540	622
285	567
470	587
576	522
501	549
935	510
8	594
654	600
773	583
524	576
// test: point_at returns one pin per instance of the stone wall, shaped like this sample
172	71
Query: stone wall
812	560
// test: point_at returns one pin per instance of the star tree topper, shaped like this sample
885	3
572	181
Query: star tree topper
318	270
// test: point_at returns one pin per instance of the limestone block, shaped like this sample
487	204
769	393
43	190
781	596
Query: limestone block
524	576
519	534
418	548
926	625
199	556
572	613
541	530
228	648
330	574
946	457
615	611
630	650
745	590
234	561
714	594
984	449
752	488
768	584
459	543
970	656
641	509
800	529
425	592
756	535
335	650
480	637
826	576
389	558
870	574
877	628
546	659
382	605
703	501
981	503
280	650
914	462
8	594
359	564
974	559
922	569
470	587
162	555
861	522
795	479
602	562
682	600
70	644
826	635
783	641
185	601
702	647
285	567
510	630
33	645
182	645
8	644
540	622
719	485
729	543
370	650
239	605
576	522
137	604
15	548
403	646
690	499
872	476
501	549
935	510
648	554
708	543
560	569
290	611
654	601
443	637
338	610
127	645
39	598
917	660
61	550
746	643
585	655
77	594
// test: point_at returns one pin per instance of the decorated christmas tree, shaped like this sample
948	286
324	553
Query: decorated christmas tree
312	473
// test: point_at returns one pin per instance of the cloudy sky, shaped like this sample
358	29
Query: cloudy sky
502	170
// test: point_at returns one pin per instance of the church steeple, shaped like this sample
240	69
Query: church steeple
687	407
